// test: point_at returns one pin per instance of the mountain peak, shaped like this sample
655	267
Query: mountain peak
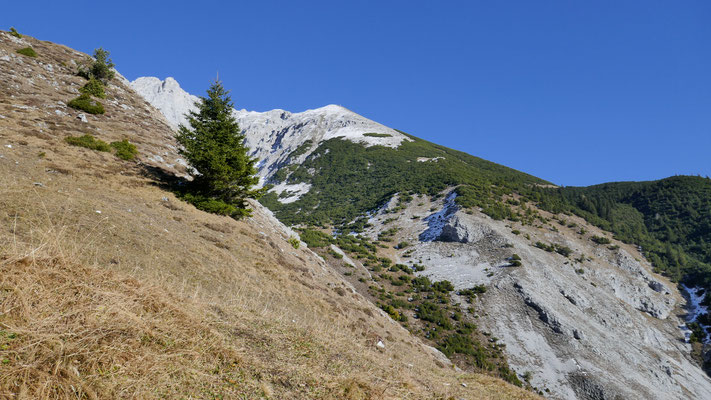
274	135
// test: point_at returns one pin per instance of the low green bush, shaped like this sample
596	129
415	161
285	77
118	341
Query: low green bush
210	205
565	251
125	150
600	240
464	344
380	135
88	141
101	67
543	246
15	33
430	312
294	242
86	103
94	88
28	51
314	238
443	286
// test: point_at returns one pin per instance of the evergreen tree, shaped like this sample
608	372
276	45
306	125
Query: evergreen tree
223	173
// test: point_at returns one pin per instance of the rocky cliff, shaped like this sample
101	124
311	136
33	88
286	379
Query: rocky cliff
596	324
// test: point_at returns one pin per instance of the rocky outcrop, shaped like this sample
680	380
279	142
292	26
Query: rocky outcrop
274	136
595	325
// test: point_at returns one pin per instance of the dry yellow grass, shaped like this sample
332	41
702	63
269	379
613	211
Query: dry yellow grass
110	287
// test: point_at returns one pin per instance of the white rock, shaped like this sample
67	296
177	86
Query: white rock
274	135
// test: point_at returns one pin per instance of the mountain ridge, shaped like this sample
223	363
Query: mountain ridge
114	288
388	195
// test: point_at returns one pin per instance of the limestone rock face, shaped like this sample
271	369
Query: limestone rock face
605	327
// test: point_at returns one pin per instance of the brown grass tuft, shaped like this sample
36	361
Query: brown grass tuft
71	331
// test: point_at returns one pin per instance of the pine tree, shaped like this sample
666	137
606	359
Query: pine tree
223	173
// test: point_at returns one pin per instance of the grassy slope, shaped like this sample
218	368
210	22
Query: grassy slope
113	288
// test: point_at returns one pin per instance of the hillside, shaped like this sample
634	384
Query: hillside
330	165
485	262
113	288
669	219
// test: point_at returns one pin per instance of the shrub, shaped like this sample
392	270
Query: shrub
86	103
697	333
600	240
422	283
443	286
294	242
565	251
15	33
94	87
378	135
28	51
431	312
402	245
125	150
479	289
545	247
101	68
463	344
314	238
210	205
335	255
88	141
392	312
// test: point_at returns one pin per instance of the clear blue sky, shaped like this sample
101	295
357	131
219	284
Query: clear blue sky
575	92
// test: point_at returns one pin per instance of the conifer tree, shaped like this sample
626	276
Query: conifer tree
223	173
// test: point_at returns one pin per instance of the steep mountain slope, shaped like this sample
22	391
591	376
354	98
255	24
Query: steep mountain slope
670	218
113	288
341	161
585	320
579	315
275	135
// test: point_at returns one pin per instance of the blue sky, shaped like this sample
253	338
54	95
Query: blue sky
574	92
